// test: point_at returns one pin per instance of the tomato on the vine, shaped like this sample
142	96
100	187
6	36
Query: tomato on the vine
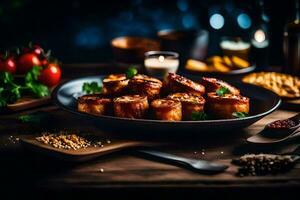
8	65
27	61
50	76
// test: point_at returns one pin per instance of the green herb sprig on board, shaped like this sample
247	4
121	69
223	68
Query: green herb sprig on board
11	91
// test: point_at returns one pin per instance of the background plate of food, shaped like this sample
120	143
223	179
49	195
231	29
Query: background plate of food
230	65
177	104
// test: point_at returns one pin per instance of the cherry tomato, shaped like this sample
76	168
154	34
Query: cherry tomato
50	76
27	61
8	65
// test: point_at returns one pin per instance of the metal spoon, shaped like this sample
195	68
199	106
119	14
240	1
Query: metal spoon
273	135
201	166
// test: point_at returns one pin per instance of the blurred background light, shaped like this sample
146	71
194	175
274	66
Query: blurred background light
89	37
216	21
259	36
182	5
244	21
189	21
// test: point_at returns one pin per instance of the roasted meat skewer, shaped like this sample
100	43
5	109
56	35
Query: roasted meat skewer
225	106
166	109
190	103
131	106
213	84
176	83
145	86
95	104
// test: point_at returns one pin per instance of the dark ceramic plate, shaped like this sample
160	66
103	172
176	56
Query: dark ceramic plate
262	103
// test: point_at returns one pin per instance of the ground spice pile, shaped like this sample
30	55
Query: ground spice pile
263	164
65	141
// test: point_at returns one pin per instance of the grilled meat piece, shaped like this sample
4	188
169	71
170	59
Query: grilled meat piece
115	84
131	106
167	109
213	84
176	83
190	103
224	106
145	86
94	104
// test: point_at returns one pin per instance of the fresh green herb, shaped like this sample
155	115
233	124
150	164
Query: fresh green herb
198	116
29	119
91	88
131	72
240	114
222	91
10	91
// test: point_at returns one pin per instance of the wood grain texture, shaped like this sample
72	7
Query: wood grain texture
128	169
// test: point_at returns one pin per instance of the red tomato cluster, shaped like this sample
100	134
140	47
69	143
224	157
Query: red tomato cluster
29	57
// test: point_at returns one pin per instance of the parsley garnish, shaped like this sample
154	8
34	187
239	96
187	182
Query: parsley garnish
197	116
29	119
240	114
131	72
91	88
11	91
222	91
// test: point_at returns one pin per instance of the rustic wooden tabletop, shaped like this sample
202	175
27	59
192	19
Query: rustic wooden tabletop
127	172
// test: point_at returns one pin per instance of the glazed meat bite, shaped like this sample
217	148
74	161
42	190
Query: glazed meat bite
190	103
166	109
213	84
224	106
115	84
176	83
131	106
145	86
94	104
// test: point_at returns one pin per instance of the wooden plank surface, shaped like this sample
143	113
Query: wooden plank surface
128	169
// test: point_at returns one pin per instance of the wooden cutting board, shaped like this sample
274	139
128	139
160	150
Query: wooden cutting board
27	103
79	155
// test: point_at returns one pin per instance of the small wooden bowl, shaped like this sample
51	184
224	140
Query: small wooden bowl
132	49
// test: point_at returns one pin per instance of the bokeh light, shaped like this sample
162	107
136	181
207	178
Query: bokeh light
244	21
217	21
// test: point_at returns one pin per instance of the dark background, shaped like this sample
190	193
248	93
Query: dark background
81	30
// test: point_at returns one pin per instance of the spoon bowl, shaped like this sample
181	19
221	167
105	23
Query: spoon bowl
278	131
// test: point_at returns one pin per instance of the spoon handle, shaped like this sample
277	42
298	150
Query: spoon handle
198	165
166	156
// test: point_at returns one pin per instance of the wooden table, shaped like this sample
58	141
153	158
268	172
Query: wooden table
128	173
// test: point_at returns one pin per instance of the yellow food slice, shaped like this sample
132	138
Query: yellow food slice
214	59
221	67
196	65
227	61
239	62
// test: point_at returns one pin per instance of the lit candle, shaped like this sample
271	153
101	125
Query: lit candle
160	63
260	39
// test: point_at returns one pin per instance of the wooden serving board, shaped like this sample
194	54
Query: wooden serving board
83	154
27	103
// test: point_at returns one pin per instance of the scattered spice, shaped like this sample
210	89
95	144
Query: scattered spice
64	140
263	164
